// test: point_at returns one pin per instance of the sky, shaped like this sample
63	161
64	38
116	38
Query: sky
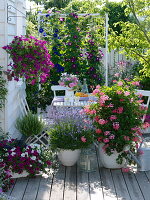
30	4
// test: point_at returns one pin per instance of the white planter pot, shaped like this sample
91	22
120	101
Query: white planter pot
69	157
23	174
109	161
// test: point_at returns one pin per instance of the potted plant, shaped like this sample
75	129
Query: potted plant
117	120
69	135
70	81
31	59
25	160
30	124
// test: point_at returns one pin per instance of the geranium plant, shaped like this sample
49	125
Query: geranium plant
69	80
31	59
32	158
117	118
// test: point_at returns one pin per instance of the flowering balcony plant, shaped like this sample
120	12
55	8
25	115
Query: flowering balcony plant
31	59
71	130
69	135
69	80
31	158
117	118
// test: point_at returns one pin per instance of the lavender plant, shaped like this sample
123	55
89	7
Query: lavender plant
71	130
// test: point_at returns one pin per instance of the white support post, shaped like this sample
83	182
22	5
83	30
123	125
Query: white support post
106	49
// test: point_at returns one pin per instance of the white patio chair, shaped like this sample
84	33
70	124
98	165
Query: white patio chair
56	88
145	93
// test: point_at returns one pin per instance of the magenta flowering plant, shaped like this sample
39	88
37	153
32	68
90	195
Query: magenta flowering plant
69	80
6	180
32	158
31	59
117	118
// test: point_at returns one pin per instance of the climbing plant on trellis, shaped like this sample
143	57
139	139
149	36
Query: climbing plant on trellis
74	42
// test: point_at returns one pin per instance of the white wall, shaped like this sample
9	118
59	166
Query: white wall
10	27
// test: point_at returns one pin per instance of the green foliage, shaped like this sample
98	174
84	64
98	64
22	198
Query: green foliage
84	6
67	136
3	90
116	13
134	41
30	124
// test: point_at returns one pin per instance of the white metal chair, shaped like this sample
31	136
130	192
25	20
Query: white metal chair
145	93
56	88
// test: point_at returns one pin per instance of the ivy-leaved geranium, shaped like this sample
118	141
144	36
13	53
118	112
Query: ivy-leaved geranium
31	59
117	118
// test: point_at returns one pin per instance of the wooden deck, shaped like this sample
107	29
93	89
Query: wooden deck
69	183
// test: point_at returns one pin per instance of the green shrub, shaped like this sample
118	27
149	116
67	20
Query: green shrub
30	124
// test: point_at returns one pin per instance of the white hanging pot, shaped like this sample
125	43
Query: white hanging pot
69	157
109	161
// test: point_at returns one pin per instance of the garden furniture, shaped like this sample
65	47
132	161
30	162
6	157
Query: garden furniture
145	93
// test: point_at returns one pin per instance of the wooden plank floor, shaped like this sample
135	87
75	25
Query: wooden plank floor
69	183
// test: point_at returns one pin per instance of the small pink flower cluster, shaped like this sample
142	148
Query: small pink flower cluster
31	59
69	80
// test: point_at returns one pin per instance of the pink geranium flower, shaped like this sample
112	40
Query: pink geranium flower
127	169
113	117
119	92
83	139
102	121
95	91
107	133
120	83
116	125
98	131
126	93
120	110
106	140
